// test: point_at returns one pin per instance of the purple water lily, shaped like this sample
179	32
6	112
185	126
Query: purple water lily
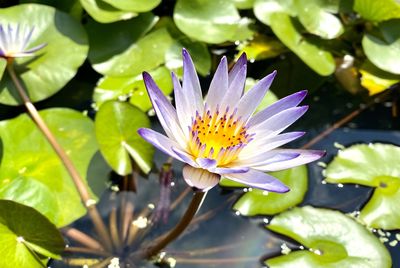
221	136
14	42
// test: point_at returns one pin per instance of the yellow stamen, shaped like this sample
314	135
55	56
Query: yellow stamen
218	136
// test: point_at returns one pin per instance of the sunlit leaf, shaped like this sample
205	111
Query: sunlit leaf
211	21
262	47
125	51
318	19
132	87
198	51
263	9
332	240
374	165
31	172
3	65
258	202
134	5
46	73
116	131
103	12
27	238
315	57
377	10
375	79
72	7
244	4
384	51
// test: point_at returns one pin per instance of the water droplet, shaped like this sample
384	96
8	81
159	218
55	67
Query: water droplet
237	213
20	239
151	206
340	185
393	243
252	60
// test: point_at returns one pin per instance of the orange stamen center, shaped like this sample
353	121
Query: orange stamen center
218	136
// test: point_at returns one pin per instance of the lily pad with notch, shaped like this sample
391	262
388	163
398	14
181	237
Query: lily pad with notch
331	239
375	165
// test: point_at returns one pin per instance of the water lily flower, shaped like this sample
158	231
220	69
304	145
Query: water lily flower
222	136
14	42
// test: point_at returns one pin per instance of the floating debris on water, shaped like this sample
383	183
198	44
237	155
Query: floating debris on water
322	164
339	146
285	250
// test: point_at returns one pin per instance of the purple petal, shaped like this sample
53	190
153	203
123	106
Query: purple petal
259	180
164	109
277	107
187	158
36	48
275	158
230	170
218	86
200	178
236	69
3	39
27	38
206	163
182	108
191	85
261	145
249	102
305	157
161	142
171	124
235	90
278	122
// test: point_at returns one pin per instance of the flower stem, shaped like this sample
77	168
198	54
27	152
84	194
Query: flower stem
194	206
73	172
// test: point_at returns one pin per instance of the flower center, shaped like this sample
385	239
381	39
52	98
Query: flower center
219	136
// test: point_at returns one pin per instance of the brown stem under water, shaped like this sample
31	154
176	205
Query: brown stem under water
184	222
73	172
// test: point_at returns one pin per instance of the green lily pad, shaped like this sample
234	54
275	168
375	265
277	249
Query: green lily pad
72	7
103	12
244	4
375	165
384	51
47	72
376	80
134	5
116	131
258	202
262	47
332	238
198	50
263	9
318	19
3	66
27	238
31	172
211	21
129	53
321	61
377	10
113	88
